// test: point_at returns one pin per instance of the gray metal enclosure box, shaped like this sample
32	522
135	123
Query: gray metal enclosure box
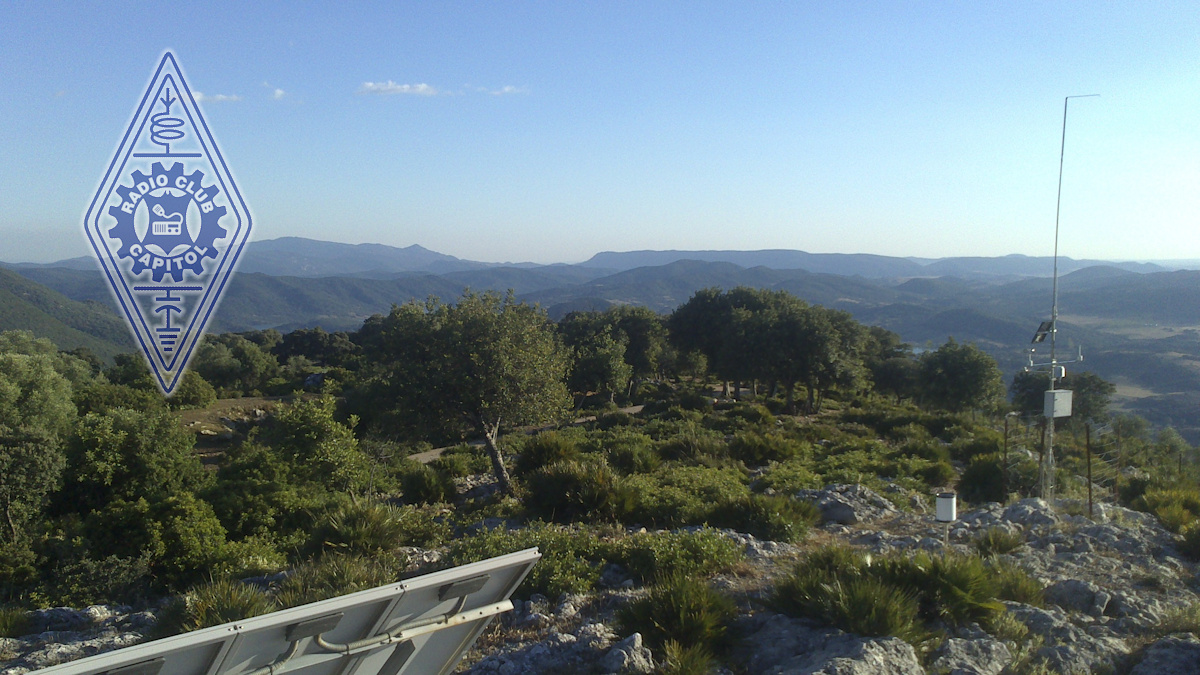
1057	403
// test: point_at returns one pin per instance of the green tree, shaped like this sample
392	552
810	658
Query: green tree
193	392
31	464
236	365
128	454
486	362
33	395
316	446
598	365
959	377
645	337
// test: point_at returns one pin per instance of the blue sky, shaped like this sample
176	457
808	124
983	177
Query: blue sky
546	132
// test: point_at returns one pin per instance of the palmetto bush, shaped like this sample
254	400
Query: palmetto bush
215	603
338	574
681	660
545	449
680	608
577	489
421	484
370	528
997	541
902	595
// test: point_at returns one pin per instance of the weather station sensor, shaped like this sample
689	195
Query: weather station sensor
1057	403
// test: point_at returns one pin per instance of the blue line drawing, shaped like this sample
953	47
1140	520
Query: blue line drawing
167	223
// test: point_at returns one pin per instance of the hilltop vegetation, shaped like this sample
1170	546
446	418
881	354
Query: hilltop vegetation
751	400
1137	324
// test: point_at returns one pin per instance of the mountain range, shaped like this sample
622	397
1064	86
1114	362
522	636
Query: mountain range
1138	323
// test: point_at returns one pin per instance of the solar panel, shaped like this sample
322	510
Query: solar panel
416	626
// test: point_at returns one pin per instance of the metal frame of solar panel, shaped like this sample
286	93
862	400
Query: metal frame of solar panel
422	625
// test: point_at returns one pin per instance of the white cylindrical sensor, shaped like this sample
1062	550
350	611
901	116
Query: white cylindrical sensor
947	507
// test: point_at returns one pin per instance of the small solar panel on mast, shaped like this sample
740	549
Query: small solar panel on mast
418	626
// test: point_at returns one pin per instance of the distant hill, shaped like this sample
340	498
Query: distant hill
298	257
27	305
869	266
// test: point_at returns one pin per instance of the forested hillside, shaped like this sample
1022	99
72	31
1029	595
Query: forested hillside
1138	330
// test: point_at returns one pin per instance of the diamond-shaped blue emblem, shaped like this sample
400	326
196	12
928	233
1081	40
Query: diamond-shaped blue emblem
168	224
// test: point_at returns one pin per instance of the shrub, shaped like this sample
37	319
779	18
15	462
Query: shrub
789	478
655	555
180	536
1014	585
681	495
630	452
983	480
253	556
577	489
338	574
937	473
420	484
774	517
925	448
363	529
1190	546
13	622
997	541
571	558
544	449
757	449
981	443
110	580
614	419
680	608
219	602
693	446
752	413
681	660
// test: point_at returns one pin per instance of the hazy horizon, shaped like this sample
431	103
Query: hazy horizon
1165	262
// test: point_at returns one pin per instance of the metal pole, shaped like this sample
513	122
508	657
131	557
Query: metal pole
1088	429
1047	467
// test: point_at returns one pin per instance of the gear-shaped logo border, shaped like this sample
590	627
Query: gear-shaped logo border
204	245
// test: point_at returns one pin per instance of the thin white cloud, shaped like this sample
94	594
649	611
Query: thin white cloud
216	98
509	89
391	87
278	94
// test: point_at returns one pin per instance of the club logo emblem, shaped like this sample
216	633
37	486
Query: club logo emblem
167	224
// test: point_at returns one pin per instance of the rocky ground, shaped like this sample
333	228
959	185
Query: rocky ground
1113	581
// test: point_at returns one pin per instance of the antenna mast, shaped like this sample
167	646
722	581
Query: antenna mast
1057	404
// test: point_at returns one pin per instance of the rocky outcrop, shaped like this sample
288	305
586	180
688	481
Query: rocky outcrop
979	656
849	504
62	634
785	646
1172	655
